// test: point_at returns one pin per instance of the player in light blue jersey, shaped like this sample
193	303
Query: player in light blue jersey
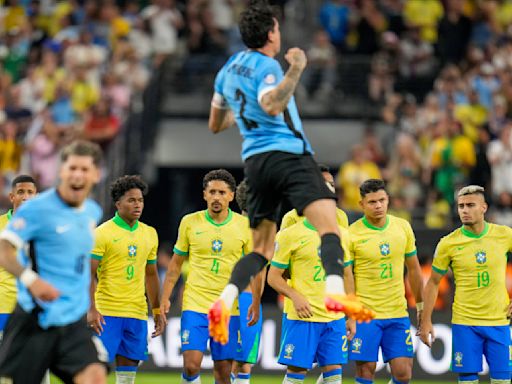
47	246
252	90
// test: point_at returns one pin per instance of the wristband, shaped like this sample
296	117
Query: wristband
28	277
156	311
419	307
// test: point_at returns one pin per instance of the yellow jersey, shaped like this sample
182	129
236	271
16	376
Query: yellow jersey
479	264
7	281
298	249
379	255
123	253
293	217
213	249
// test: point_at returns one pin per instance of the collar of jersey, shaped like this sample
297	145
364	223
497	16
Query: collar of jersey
211	221
367	223
123	224
9	214
467	233
309	225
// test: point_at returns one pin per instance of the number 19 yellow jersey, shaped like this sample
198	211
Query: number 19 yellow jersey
479	264
213	250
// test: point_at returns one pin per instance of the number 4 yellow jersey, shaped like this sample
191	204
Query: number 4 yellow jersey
479	264
213	250
379	257
123	253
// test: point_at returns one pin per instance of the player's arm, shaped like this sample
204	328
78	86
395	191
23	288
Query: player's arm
220	119
277	281
416	281
257	286
171	277
153	293
429	296
39	288
276	101
350	289
95	319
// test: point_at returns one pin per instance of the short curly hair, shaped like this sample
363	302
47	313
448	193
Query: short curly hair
255	24
222	175
123	184
241	195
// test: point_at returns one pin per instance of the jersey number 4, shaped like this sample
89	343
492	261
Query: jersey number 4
249	124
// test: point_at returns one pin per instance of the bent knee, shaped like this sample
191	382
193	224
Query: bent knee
92	374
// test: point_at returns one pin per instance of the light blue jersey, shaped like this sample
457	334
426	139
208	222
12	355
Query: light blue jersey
240	85
62	238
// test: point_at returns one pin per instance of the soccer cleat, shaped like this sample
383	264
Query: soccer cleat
218	322
350	305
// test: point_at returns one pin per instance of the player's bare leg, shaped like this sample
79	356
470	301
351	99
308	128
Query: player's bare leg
192	366
246	268
222	371
401	369
92	374
322	215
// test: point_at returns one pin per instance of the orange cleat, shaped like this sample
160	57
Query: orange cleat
218	322
350	305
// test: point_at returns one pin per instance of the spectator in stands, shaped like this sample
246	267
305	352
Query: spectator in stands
384	67
499	154
424	14
352	173
450	87
320	73
486	83
369	22
437	211
473	116
486	28
498	115
501	210
393	11
101	125
10	149
416	55
84	94
454	31
334	18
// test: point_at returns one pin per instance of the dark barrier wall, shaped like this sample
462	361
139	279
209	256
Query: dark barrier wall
432	364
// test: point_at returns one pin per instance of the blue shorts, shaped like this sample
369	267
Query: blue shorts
125	336
248	337
3	320
469	343
304	342
393	336
195	335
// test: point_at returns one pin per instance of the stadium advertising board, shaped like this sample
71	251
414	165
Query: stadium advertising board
165	353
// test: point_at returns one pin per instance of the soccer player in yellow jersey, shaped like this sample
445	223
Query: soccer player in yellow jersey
213	240
381	245
311	333
292	216
477	255
23	188
124	260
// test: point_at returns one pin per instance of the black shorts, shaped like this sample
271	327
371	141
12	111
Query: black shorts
278	178
28	351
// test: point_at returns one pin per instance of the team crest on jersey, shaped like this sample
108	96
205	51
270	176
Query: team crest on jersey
185	336
269	79
458	359
384	249
132	250
216	245
288	351
481	257
19	223
356	345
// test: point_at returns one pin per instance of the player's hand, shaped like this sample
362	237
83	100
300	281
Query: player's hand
44	291
509	311
95	320
351	328
296	58
165	306
302	307
160	323
253	314
427	335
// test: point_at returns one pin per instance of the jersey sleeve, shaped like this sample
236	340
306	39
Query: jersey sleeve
289	219
441	260
282	251
410	246
100	244
24	225
342	218
348	257
182	243
218	100
154	249
269	77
